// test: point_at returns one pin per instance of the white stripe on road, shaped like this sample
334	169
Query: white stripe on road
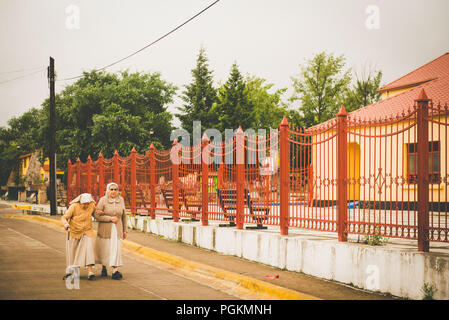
32	239
143	289
48	247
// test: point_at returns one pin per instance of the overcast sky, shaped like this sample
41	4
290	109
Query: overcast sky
267	38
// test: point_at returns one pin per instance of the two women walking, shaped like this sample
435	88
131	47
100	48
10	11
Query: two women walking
111	217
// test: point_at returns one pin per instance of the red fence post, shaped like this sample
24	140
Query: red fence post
205	179
89	174
122	179
423	171
220	175
175	172
69	183
342	162
100	175
78	176
152	183
240	147
285	176
133	182
116	169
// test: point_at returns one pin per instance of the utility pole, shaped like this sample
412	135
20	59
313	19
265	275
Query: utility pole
51	79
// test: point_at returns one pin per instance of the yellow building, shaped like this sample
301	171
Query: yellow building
33	172
382	143
24	163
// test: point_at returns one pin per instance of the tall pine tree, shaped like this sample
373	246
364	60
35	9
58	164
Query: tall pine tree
199	97
268	108
234	107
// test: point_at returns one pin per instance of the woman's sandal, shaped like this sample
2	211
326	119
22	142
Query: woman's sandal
117	275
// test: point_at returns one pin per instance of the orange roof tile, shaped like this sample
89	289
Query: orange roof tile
434	69
46	168
25	156
437	90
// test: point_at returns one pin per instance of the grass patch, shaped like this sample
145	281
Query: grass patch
375	240
428	290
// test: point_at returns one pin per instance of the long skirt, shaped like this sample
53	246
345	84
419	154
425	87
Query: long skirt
80	252
108	252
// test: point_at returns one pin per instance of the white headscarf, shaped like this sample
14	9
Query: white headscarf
117	198
83	198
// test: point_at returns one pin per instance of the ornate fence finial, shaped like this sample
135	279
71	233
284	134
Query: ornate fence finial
422	96
342	111
284	121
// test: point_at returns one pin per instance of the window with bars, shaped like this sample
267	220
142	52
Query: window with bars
434	162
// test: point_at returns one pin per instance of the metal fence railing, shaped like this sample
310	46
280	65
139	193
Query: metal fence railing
384	177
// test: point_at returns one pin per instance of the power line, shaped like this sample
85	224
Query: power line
24	76
113	63
21	70
150	44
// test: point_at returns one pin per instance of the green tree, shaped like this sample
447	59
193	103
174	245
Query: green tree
199	97
364	92
233	107
103	112
321	87
24	130
295	119
268	108
8	154
20	138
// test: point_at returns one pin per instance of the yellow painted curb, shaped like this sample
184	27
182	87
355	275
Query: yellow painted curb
265	290
55	223
21	207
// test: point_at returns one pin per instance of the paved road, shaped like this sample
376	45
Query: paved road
32	263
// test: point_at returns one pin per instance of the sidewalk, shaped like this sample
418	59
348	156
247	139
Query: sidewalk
287	279
40	208
230	266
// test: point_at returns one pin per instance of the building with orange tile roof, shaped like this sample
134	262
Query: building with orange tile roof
399	95
382	141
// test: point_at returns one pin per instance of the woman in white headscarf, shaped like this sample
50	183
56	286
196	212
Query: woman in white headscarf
112	226
78	221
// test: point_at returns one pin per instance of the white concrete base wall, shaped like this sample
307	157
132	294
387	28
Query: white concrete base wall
399	272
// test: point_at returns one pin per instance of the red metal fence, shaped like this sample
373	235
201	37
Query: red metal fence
386	177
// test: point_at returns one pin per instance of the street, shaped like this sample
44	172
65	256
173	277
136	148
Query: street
32	264
32	260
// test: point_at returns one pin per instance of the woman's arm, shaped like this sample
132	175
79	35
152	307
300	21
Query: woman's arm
102	217
92	208
68	215
124	221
